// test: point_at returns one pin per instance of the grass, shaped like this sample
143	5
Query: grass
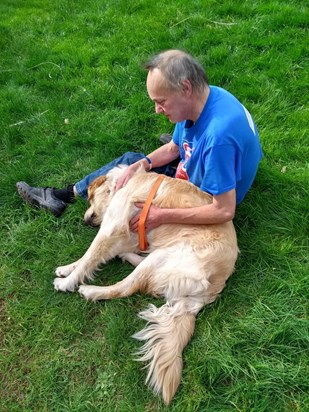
81	61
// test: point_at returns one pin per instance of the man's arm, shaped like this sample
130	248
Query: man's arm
222	209
164	154
160	157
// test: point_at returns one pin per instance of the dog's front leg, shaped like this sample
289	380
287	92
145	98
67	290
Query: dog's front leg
102	249
140	280
84	269
64	271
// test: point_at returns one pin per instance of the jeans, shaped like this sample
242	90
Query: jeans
126	159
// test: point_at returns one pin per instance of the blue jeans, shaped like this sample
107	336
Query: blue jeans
126	159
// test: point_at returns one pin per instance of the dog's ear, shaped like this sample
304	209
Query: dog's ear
99	181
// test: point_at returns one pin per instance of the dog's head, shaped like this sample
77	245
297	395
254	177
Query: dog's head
100	193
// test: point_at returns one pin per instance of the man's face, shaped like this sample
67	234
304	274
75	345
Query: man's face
171	103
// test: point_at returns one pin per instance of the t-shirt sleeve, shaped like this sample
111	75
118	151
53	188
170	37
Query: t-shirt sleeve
222	168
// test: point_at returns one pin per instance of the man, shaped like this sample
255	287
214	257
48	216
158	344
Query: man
215	138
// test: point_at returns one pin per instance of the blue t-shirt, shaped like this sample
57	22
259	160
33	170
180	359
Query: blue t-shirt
221	151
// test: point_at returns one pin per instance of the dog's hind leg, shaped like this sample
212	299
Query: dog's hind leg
132	258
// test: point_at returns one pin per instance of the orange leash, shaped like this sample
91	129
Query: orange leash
143	244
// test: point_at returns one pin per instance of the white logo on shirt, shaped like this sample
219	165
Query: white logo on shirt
250	120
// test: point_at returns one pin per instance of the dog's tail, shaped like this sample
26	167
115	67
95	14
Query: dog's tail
168	331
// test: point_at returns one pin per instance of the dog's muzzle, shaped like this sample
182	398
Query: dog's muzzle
91	220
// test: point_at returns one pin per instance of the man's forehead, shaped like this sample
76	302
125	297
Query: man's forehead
156	85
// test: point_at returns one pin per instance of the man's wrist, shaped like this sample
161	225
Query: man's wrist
147	163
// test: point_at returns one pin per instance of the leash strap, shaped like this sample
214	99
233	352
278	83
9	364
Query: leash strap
143	244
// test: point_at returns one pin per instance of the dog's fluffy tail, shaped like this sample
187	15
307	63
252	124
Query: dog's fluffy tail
168	331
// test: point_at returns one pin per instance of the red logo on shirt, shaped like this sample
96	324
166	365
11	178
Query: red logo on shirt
181	172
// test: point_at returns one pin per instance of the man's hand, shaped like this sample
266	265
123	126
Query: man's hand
127	174
154	218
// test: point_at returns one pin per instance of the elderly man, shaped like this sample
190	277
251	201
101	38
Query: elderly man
215	138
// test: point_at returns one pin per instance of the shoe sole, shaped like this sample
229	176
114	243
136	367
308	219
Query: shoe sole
23	193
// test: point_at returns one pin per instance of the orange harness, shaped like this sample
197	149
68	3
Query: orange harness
143	244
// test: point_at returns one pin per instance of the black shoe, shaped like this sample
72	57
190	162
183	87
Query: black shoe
165	138
41	197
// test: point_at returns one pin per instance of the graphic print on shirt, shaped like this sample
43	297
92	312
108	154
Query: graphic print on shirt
181	172
250	120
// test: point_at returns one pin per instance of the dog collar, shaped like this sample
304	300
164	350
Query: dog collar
143	244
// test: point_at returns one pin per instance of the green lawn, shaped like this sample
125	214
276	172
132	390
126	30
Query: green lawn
73	97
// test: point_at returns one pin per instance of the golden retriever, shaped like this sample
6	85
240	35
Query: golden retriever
188	265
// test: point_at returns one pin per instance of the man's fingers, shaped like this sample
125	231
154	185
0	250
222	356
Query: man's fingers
121	182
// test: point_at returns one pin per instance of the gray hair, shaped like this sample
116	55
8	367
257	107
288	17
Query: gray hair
178	66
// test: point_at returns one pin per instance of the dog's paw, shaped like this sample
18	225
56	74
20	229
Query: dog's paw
64	285
88	292
64	271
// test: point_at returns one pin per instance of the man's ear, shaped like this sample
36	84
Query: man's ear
186	87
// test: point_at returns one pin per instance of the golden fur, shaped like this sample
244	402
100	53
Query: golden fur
188	265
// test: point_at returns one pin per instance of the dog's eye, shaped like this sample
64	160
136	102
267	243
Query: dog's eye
108	191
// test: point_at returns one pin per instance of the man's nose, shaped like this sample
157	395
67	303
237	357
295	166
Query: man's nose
158	108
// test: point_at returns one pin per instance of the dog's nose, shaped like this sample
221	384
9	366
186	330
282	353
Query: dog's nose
90	220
